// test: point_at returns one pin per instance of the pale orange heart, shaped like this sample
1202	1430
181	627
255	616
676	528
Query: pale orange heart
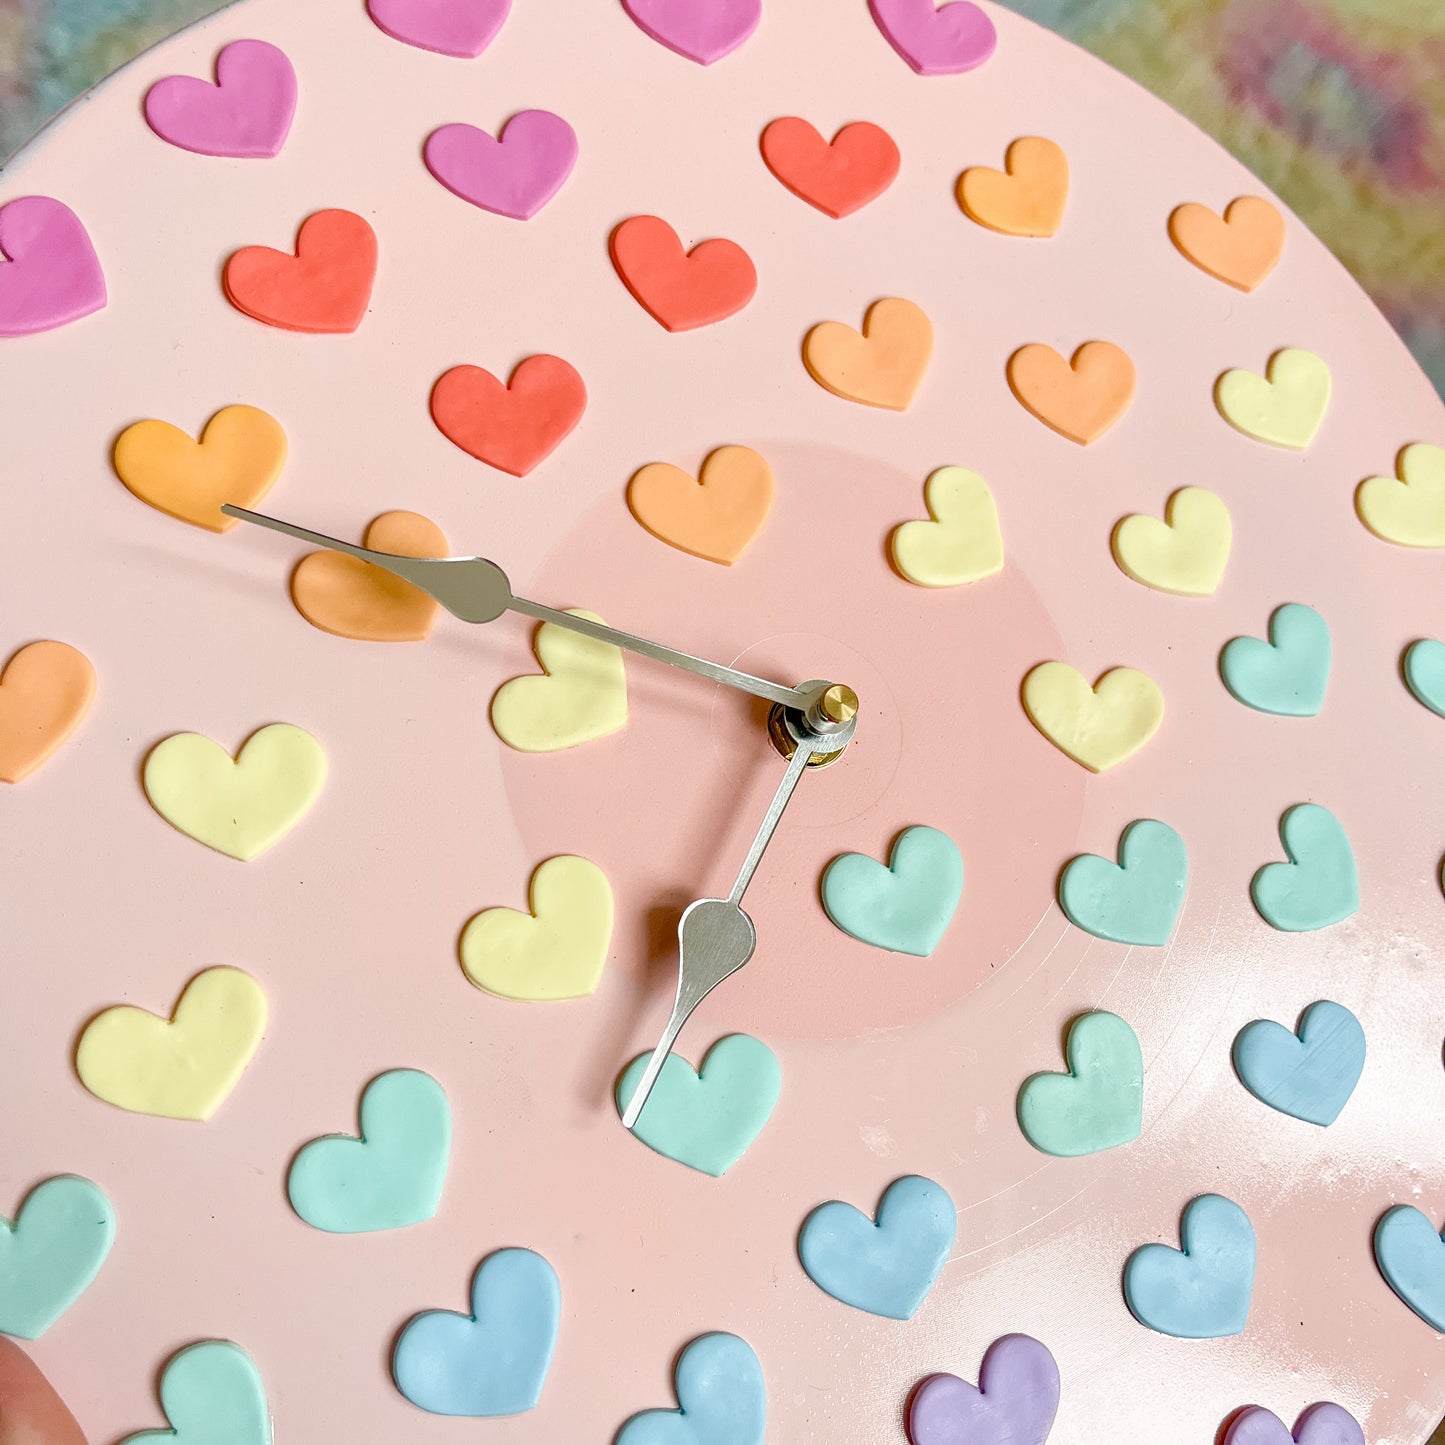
1081	399
45	690
881	367
351	598
1027	197
1240	247
714	516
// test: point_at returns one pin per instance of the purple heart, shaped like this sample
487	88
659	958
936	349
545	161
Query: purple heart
463	28
936	40
247	112
702	30
1013	1404
53	274
516	173
1323	1424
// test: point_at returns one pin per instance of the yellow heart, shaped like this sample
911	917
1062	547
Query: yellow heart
962	543
1185	553
555	951
1409	511
182	1067
238	808
581	695
1097	726
1287	408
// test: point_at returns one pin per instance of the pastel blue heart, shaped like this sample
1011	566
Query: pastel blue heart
51	1253
494	1360
904	907
1424	667
721	1397
1287	674
1319	885
1411	1256
212	1395
1309	1075
1202	1291
887	1266
1136	900
393	1174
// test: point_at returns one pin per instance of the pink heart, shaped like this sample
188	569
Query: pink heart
936	40
702	30
463	28
1323	1424
247	112
516	173
53	275
1014	1402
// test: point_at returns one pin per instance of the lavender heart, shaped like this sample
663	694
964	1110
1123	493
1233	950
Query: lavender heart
936	40
53	274
702	30
247	113
1014	1402
514	174
463	28
1322	1424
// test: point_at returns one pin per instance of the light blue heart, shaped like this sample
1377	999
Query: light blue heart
721	1397
1200	1292
1411	1256
1309	1075
393	1174
1136	900
211	1393
886	1267
494	1360
1319	885
1286	675
51	1253
1424	667
905	907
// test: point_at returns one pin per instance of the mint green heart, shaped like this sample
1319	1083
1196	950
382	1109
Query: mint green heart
904	907
1424	666
1099	1103
1136	900
1319	885
706	1119
51	1253
212	1395
1287	674
393	1174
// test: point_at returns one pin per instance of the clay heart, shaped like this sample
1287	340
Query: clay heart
246	113
1241	247
1322	1424
721	1398
1080	398
884	365
463	28
350	598
45	692
1014	1403
1099	726
1411	1256
936	39
1099	1103
324	287
1309	1074
1185	553
1285	406
1027	197
1286	675
514	427
51	1253
212	1395
838	176
715	516
1423	666
1201	1291
702	30
905	907
512	174
1409	510
1319	885
1136	901
962	541
52	275
681	289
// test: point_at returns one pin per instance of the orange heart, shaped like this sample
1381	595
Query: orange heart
325	286
1241	247
882	367
1081	399
238	459
837	176
513	427
45	690
681	289
1027	197
351	598
714	517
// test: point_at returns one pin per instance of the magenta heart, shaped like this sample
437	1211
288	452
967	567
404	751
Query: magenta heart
1014	1402
53	274
702	30
1322	1424
247	112
463	28
516	173
936	40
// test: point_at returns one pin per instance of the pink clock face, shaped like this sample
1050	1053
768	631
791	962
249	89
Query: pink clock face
891	1064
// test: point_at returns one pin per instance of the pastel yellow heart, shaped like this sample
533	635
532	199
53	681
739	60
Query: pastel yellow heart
1097	726
238	807
1410	510
962	543
581	695
558	949
1286	407
182	1067
1185	553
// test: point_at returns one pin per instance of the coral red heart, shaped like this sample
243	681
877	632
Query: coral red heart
513	427
325	286
838	176
681	289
